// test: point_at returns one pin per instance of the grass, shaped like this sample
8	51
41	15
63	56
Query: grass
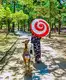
6	42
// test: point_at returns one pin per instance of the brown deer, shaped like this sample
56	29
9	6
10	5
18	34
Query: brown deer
27	58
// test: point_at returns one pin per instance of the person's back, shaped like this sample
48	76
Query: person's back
34	39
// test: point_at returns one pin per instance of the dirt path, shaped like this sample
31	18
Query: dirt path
53	66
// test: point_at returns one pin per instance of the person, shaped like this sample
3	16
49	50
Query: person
37	47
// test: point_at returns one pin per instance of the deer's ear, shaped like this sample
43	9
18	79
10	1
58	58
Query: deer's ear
23	42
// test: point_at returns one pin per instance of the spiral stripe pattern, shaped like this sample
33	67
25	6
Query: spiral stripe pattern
40	28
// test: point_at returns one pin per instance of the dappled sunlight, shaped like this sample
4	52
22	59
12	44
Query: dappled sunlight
6	75
52	67
19	21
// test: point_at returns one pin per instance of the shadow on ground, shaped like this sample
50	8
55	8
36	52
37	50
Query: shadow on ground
27	77
60	72
41	68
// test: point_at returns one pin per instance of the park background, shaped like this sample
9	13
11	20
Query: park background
15	19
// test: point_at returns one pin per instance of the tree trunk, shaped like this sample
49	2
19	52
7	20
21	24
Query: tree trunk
8	22
50	19
24	25
13	25
50	32
18	26
52	26
0	1
59	27
59	17
28	25
21	27
0	25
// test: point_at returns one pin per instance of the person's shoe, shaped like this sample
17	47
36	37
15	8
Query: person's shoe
38	61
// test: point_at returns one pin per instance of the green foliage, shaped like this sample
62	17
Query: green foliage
29	3
31	9
18	16
5	13
8	13
2	11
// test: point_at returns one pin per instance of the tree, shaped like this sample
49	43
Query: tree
60	7
47	10
19	17
14	4
8	17
2	11
14	10
26	2
0	1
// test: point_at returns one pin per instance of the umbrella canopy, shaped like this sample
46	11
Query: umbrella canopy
39	28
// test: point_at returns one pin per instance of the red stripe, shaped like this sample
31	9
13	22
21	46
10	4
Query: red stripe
43	34
37	28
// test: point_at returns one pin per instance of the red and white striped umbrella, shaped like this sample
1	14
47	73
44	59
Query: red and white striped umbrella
40	28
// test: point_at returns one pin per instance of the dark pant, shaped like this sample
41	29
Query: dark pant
37	50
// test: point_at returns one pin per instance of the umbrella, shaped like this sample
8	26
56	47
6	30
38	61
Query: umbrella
39	28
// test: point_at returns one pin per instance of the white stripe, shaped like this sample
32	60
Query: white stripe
36	31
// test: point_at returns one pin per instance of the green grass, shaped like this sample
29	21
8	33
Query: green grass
6	42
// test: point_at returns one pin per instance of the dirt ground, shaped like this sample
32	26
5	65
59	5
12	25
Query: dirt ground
52	67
